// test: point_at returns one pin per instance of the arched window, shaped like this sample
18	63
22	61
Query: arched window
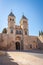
11	19
18	32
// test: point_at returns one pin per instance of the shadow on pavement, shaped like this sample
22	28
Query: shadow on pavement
35	51
7	60
29	51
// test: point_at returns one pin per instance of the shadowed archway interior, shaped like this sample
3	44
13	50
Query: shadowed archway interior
17	46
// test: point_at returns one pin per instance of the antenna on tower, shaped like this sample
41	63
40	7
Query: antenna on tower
23	13
11	10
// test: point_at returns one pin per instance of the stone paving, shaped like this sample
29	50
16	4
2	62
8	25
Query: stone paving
20	58
23	58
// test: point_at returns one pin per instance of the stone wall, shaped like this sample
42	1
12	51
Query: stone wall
3	40
8	41
30	42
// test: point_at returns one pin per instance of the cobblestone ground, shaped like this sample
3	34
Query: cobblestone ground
21	58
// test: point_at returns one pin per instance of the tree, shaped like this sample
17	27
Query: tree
4	30
40	33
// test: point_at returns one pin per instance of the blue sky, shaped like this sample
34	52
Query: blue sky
32	9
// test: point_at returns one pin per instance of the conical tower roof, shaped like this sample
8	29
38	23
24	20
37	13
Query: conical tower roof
11	14
23	17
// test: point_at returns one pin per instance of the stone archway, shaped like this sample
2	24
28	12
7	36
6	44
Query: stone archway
17	45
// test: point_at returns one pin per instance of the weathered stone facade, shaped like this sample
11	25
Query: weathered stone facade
17	37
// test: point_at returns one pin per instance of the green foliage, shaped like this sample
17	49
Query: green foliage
40	32
4	30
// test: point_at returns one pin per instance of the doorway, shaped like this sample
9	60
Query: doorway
17	46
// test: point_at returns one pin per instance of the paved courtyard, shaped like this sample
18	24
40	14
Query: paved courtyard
21	58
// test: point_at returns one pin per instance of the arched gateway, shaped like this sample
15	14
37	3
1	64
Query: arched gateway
17	45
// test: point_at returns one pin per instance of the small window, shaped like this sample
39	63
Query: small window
16	31
20	32
10	19
30	46
11	30
25	32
